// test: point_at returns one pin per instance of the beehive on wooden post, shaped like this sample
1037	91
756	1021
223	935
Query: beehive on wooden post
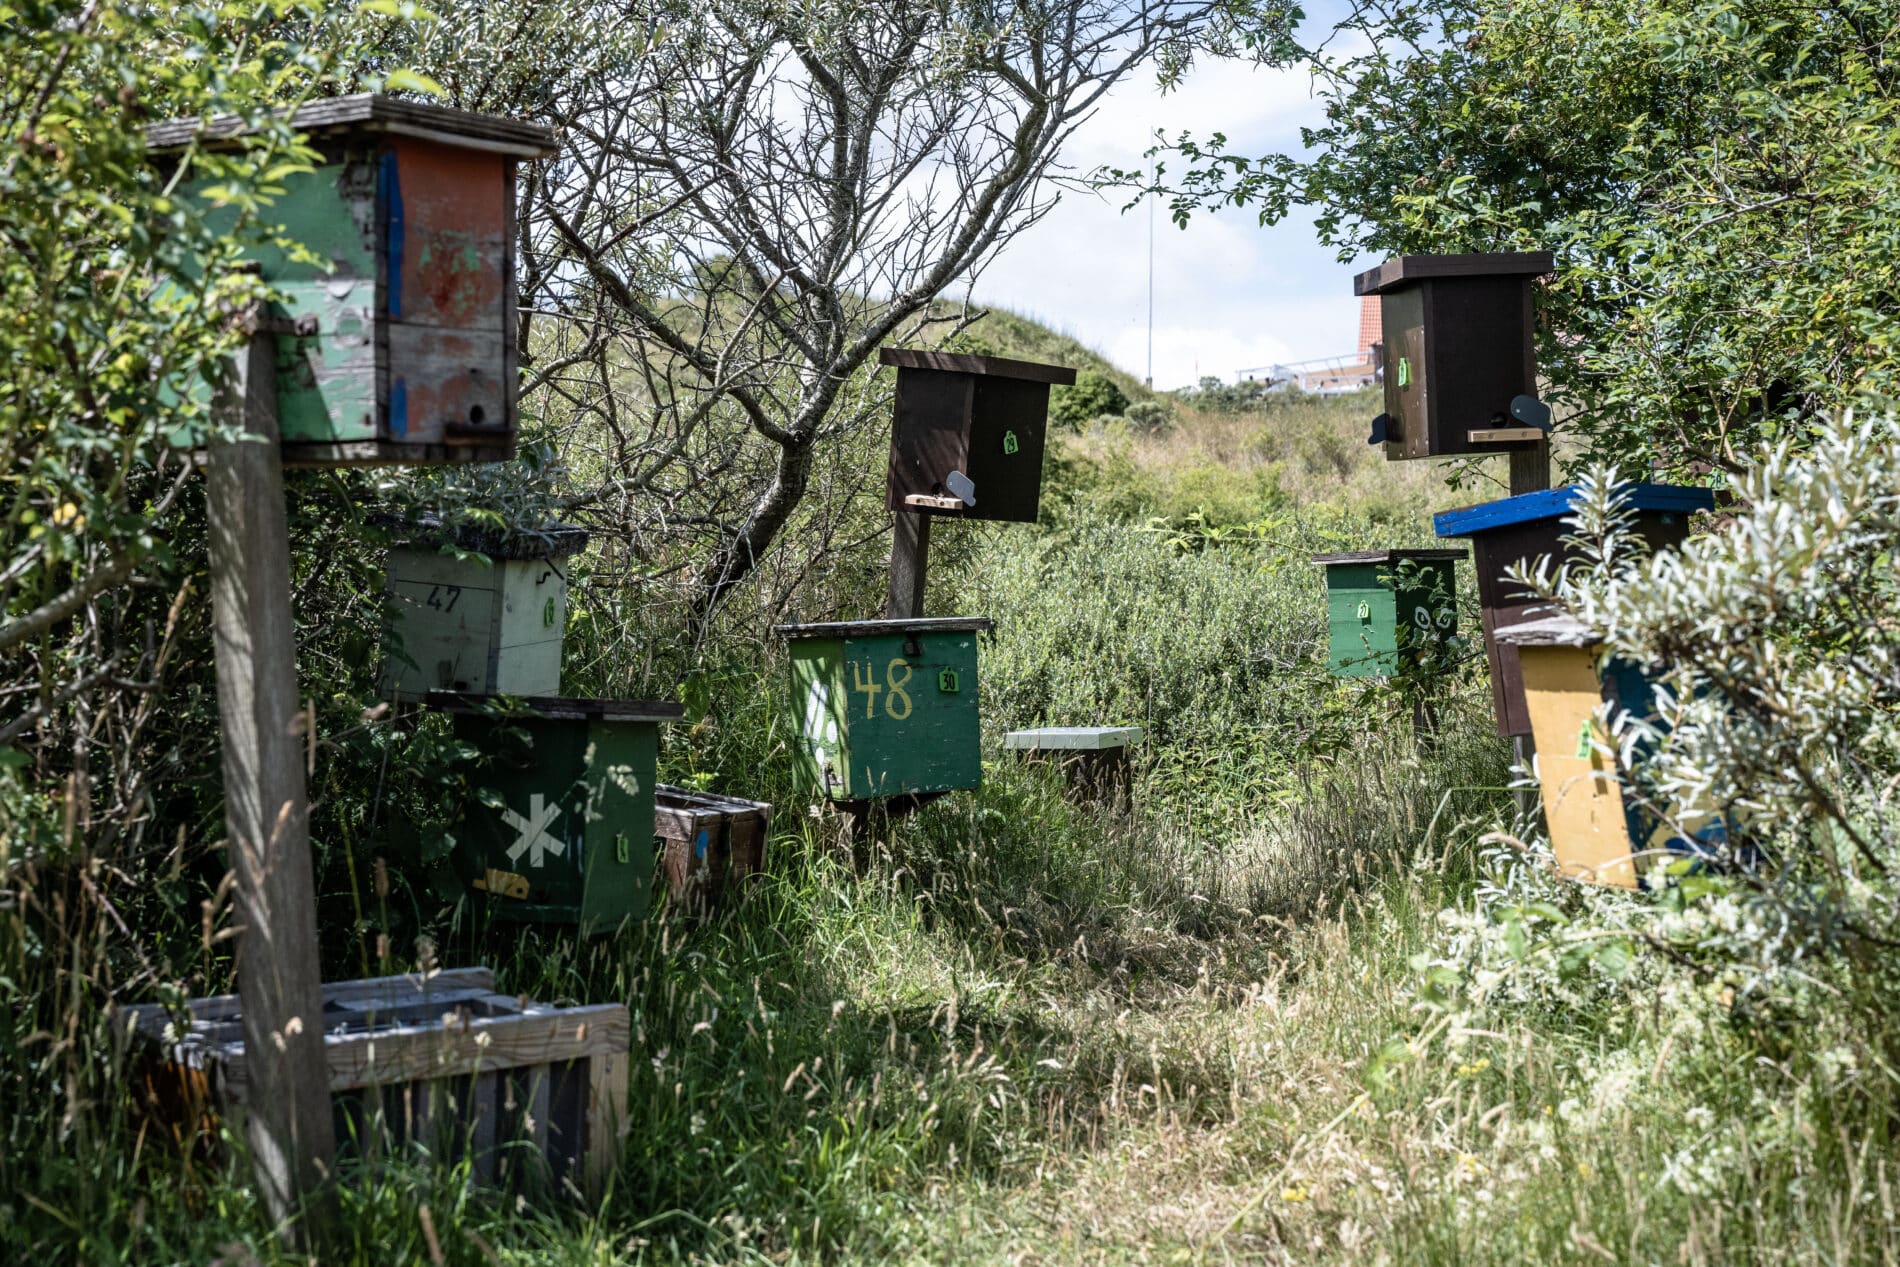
1520	529
1382	605
441	1063
398	343
887	708
1457	352
571	840
1598	831
968	434
487	626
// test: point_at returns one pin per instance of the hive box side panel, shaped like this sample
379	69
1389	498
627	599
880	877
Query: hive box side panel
1583	801
1360	646
618	858
539	833
818	698
1481	355
326	379
533	602
1402	317
1427	600
442	633
1008	428
908	733
929	433
445	264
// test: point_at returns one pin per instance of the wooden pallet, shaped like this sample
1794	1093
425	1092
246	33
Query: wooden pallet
526	1091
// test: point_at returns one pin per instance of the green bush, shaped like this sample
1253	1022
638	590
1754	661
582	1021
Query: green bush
1093	395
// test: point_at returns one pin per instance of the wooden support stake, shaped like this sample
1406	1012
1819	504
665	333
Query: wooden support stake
910	560
279	980
1530	473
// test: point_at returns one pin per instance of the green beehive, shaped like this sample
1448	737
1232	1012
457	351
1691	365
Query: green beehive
485	626
571	840
888	707
1381	601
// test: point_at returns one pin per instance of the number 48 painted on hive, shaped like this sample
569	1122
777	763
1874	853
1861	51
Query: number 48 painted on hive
896	698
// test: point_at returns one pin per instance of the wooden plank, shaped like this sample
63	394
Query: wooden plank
411	1052
290	1129
1073	738
1405	270
927	501
606	1117
1583	799
910	563
873	628
373	112
1557	502
961	363
1506	435
1388	556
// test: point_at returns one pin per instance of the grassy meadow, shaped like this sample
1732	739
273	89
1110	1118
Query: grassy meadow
1274	1012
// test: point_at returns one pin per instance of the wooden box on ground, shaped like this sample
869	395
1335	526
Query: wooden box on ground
442	1064
1520	529
888	708
398	343
1597	830
1383	605
1094	759
489	627
1458	349
571	840
968	435
709	845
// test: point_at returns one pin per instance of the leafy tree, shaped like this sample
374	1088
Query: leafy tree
751	198
1718	181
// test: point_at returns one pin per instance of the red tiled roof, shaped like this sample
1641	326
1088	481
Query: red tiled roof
1371	328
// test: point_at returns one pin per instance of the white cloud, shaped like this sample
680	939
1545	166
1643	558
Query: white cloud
1229	294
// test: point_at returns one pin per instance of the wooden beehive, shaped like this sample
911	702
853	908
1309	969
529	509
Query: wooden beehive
558	828
487	626
398	343
1523	528
968	434
710	845
1384	604
888	708
1094	760
1457	350
440	1062
1597	830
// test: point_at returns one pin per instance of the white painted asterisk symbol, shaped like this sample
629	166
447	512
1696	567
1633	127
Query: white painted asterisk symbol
531	833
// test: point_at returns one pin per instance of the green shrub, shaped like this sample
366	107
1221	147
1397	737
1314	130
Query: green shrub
1093	395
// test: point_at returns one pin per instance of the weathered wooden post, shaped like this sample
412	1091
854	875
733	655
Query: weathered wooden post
267	829
395	345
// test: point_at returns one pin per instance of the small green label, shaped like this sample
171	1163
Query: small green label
1365	610
623	853
947	682
547	612
1405	372
1009	442
1585	742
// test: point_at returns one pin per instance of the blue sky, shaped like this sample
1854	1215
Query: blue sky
1229	294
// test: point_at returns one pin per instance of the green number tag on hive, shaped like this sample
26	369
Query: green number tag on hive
947	682
1009	442
547	612
1584	744
622	854
1365	610
1405	372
